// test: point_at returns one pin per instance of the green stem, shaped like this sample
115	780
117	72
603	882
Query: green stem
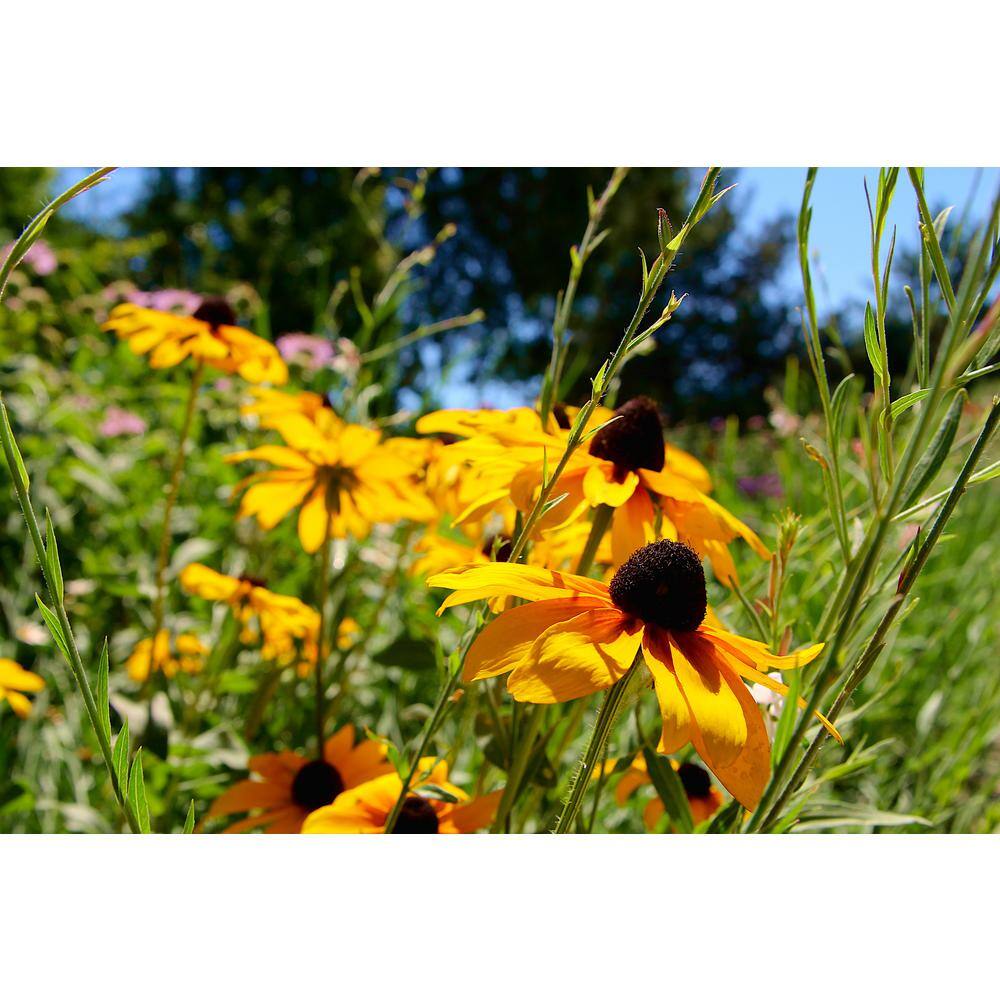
16	466
515	776
866	659
606	718
176	474
603	515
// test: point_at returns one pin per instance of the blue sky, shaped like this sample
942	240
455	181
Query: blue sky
839	236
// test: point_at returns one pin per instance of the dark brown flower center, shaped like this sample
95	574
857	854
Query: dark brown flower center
416	816
635	439
215	312
561	416
664	584
254	581
697	784
317	784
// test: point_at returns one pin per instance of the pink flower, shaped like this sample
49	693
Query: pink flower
39	257
118	422
166	300
305	349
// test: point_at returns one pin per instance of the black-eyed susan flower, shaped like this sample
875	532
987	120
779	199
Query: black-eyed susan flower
577	636
14	681
183	654
704	799
340	476
288	787
627	466
210	336
366	808
278	615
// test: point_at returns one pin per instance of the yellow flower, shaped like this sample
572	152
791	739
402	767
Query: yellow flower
13	680
292	786
347	633
366	808
279	616
703	797
340	475
577	636
272	404
209	336
148	656
627	466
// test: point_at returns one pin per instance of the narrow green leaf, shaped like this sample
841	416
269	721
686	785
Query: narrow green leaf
902	404
54	627
788	718
119	759
670	790
871	343
937	451
837	403
11	451
103	706
53	570
437	792
137	793
189	820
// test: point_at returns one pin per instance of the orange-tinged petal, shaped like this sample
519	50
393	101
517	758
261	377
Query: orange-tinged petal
747	776
632	526
506	641
471	816
673	708
601	487
339	745
577	657
246	795
629	782
754	653
653	813
715	710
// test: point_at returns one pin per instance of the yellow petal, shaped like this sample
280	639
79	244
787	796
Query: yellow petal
532	583
673	708
632	526
577	657
506	641
601	487
754	653
313	519
715	710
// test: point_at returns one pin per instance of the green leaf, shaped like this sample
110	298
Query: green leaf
189	821
937	451
871	343
437	792
726	818
53	570
670	790
54	627
137	793
902	404
786	722
103	706
408	653
119	759
12	452
837	403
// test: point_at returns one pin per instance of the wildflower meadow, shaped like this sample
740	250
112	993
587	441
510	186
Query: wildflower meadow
456	502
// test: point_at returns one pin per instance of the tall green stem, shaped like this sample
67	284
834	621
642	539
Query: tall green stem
176	475
610	707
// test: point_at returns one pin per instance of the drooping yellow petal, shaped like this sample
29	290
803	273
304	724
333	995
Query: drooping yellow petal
247	795
313	519
570	659
271	499
468	817
673	708
506	641
715	710
678	461
756	654
746	777
196	578
14	676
